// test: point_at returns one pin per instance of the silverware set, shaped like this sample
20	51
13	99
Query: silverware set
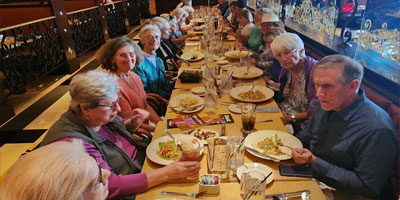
193	195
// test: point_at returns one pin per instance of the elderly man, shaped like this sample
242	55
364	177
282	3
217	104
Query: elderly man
352	142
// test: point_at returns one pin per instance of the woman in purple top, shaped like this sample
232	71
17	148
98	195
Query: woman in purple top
92	117
296	98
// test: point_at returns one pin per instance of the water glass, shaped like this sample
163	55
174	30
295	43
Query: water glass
235	152
211	96
191	149
226	83
251	185
243	59
248	112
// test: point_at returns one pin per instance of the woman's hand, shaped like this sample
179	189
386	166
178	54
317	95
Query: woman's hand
286	119
182	169
138	115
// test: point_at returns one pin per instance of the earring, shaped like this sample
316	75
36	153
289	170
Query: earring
87	119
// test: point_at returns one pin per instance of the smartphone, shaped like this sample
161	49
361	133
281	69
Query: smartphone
295	170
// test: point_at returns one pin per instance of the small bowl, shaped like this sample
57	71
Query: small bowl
213	184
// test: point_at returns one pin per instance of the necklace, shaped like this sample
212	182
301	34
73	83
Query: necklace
124	77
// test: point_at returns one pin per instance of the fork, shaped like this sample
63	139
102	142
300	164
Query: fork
193	195
175	141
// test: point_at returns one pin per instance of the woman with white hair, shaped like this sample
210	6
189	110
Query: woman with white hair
61	170
296	97
152	69
246	26
168	51
181	15
92	118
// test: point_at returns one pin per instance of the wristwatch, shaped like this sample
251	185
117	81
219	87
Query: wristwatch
293	117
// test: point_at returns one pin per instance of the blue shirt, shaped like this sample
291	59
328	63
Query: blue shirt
154	78
356	148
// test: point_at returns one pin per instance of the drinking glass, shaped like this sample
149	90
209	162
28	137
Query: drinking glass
235	152
226	83
243	59
251	185
191	149
248	112
211	97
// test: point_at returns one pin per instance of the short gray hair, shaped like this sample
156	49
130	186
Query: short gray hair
90	88
287	41
351	69
160	22
148	27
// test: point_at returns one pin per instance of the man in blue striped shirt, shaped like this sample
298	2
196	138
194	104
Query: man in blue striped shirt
350	143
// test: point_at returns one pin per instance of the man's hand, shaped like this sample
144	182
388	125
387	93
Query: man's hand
303	156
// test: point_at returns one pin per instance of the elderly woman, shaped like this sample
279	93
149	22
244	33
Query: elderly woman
246	26
266	61
297	97
168	51
255	38
151	70
61	170
92	118
119	56
180	14
188	24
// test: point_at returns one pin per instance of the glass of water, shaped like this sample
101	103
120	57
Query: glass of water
235	152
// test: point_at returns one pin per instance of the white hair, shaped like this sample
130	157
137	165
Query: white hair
149	27
61	170
188	9
287	41
160	22
90	88
179	13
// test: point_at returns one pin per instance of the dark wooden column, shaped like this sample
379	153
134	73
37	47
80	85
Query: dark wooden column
102	13
58	9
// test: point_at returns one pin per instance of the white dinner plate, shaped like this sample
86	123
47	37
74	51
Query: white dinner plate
177	99
235	108
198	91
153	148
240	72
204	130
287	139
192	56
268	93
255	167
236	54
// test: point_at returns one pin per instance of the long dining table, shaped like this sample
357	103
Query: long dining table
228	189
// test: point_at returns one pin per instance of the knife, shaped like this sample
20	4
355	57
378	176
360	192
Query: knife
262	154
270	196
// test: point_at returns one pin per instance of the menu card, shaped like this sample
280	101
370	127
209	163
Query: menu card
201	119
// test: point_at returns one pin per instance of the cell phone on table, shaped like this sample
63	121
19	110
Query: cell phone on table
295	170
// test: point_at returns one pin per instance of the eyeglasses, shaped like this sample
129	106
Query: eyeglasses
112	106
100	178
286	53
125	55
150	37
